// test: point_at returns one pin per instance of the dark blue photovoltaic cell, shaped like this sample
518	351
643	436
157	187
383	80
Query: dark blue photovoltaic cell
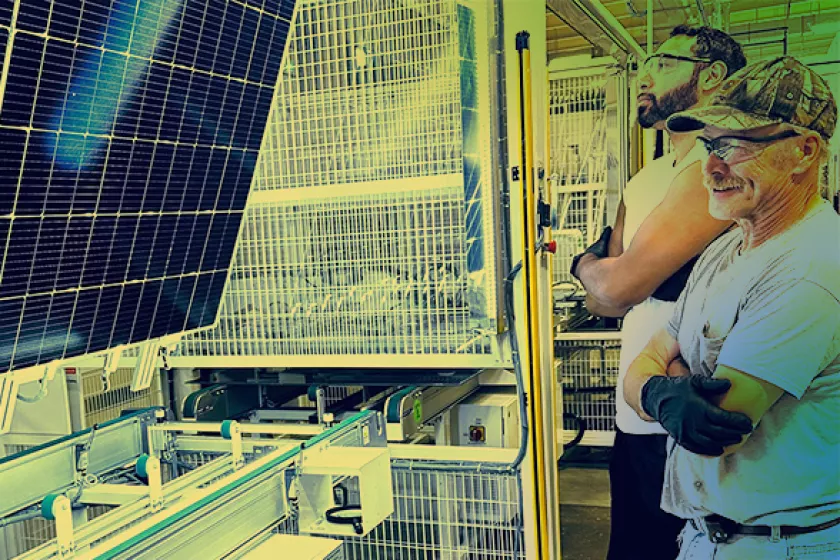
33	15
6	7
4	37
10	320
11	146
129	135
22	81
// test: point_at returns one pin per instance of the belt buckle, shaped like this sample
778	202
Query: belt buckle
718	528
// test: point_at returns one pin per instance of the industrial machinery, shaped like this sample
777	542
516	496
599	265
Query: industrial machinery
372	232
144	487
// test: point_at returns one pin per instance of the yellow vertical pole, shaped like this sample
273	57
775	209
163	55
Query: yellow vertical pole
537	436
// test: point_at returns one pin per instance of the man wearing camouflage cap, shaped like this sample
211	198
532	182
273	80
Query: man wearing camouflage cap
754	448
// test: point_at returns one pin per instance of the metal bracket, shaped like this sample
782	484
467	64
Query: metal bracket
83	454
8	398
168	346
232	430
10	383
148	467
147	361
144	370
112	362
45	378
57	507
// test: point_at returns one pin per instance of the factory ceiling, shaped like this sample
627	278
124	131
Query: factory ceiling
766	28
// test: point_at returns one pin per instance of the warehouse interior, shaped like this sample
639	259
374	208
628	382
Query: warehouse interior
293	275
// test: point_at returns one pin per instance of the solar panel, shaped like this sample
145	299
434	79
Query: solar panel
129	135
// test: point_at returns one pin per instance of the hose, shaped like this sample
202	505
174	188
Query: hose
20	517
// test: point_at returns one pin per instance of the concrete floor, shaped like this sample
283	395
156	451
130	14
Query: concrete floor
584	513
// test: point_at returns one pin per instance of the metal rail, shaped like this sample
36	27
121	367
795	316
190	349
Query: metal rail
113	444
215	508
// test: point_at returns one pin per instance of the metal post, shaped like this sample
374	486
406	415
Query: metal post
531	307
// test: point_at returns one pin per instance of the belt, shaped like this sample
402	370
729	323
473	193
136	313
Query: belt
719	528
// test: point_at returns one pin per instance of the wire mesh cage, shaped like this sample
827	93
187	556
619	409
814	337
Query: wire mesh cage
579	121
369	228
24	536
103	401
587	373
444	514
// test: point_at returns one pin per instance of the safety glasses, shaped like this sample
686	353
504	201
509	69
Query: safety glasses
664	62
732	149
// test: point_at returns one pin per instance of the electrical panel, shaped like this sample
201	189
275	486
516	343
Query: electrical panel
487	419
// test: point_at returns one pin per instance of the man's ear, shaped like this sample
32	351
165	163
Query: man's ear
807	153
712	76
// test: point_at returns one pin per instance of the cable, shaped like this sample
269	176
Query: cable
517	367
333	515
581	430
42	392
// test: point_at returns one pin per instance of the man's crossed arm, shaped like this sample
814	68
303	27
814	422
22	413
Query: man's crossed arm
675	232
708	416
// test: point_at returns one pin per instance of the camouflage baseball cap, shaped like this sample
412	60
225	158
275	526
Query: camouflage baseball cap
778	91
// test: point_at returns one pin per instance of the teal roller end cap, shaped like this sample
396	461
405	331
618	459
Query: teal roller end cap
312	393
227	427
47	506
141	466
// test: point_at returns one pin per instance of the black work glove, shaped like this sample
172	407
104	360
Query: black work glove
680	404
601	249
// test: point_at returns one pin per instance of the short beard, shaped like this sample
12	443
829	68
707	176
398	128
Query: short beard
678	99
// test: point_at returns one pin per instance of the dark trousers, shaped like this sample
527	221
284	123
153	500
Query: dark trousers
639	529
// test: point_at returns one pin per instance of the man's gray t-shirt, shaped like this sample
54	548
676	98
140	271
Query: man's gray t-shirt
773	313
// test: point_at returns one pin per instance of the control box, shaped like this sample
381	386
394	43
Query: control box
488	418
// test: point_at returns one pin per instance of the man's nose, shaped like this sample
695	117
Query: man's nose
644	79
715	167
645	82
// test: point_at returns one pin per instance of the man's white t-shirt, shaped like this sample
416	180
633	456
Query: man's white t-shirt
644	192
772	312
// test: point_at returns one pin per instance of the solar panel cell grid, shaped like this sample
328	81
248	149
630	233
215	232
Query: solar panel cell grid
129	133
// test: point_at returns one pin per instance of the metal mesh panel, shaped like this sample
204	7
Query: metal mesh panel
444	515
333	395
578	124
365	232
26	535
101	405
587	370
357	72
411	296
